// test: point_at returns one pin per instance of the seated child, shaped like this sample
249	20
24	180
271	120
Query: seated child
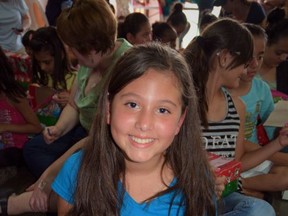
17	119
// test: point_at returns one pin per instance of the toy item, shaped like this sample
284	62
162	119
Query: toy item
226	167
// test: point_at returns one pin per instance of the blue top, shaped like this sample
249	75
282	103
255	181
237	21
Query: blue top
65	183
258	101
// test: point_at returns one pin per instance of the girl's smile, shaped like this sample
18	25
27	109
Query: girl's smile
144	119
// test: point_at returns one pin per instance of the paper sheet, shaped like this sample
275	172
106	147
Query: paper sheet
279	117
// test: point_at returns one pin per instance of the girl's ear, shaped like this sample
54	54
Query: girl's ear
130	37
223	58
180	122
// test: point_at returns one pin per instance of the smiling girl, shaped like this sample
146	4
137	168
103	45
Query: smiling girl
144	155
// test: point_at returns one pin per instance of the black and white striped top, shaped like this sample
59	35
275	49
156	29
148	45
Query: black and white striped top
220	137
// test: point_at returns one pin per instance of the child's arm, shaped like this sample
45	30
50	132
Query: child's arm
68	119
253	158
241	109
32	124
63	207
41	195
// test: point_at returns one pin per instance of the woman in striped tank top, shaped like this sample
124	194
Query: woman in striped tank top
217	59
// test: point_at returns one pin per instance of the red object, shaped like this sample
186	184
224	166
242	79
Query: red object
225	167
262	136
21	65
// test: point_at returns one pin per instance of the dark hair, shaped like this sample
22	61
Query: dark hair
277	27
207	18
177	17
161	30
132	24
88	25
224	34
256	30
111	6
27	38
103	162
45	39
8	85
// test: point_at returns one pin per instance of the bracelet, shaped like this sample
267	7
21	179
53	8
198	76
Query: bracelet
42	185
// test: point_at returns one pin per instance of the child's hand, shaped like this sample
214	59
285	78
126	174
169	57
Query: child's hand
40	197
283	136
61	98
50	134
17	31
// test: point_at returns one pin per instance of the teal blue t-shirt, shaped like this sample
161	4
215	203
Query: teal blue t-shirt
258	101
65	183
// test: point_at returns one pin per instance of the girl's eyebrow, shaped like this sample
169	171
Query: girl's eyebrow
131	94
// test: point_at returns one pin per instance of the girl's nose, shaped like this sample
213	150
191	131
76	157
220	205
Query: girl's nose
42	66
144	120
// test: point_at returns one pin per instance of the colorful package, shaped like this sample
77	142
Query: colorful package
226	167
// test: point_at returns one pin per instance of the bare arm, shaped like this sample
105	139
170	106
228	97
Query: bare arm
278	158
42	188
26	22
68	119
32	124
254	157
63	207
50	173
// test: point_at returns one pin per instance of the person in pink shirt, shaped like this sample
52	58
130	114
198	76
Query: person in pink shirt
17	119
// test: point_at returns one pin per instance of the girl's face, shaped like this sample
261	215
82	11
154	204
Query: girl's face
45	61
256	62
91	60
146	115
143	36
231	77
276	53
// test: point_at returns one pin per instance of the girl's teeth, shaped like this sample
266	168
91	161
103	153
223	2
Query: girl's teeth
141	141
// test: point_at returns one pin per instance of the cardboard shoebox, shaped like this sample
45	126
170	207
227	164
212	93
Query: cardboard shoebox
46	109
226	167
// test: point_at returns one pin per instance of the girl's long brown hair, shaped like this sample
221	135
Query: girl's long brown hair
200	54
103	162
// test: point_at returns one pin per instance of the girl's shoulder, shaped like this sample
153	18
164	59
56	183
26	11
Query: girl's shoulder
237	101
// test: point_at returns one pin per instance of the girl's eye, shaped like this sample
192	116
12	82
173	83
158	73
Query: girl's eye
259	58
163	110
132	105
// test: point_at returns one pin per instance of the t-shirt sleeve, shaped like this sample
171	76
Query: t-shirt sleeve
65	183
23	7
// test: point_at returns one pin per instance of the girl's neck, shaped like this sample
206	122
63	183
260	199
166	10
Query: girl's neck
265	68
268	73
145	168
214	86
142	181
